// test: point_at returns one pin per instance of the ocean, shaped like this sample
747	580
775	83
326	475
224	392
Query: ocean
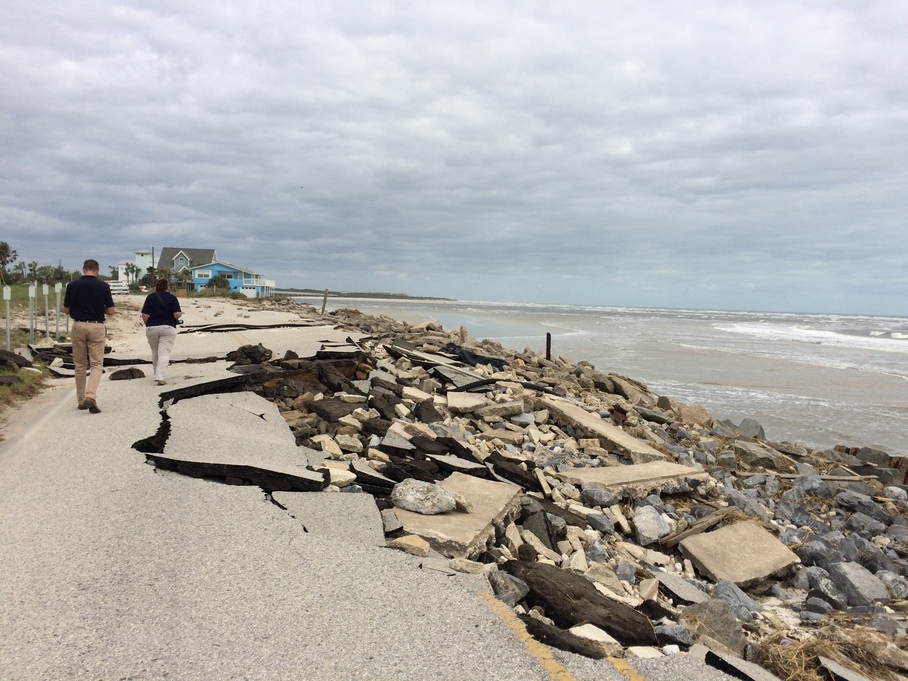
817	379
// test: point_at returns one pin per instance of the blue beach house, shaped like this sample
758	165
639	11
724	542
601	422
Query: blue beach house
250	284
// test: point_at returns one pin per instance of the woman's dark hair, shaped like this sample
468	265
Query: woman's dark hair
161	285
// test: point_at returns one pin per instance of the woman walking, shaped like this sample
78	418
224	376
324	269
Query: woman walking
160	314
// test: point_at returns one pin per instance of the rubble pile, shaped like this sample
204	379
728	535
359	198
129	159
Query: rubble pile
607	517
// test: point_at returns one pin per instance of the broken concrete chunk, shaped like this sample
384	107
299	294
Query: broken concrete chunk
464	403
738	667
608	644
470	567
680	590
466	534
611	437
637	478
416	546
840	672
743	553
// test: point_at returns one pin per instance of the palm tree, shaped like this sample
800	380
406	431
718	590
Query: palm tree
132	272
7	256
45	274
114	272
19	270
33	270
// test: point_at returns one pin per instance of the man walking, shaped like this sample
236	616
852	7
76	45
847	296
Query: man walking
87	300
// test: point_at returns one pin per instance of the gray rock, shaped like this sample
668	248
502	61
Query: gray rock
818	552
885	624
626	572
753	455
727	459
601	523
812	485
815	604
422	497
791	537
858	584
854	502
822	586
716	619
750	428
744	606
677	634
596	553
649	525
779	592
871	556
800	517
897	585
875	456
898	533
747	504
508	588
897	493
598	497
861	522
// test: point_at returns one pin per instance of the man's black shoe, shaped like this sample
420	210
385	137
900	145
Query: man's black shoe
92	406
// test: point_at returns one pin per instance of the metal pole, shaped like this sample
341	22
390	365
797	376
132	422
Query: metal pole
7	294
57	288
548	346
31	313
46	313
325	301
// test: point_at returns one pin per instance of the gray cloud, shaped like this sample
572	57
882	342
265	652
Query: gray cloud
727	154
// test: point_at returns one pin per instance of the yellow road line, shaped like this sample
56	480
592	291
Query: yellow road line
537	650
626	668
240	337
541	653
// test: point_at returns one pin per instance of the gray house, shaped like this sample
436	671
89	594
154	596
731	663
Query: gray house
180	259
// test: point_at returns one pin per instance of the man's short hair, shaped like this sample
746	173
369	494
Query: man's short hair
91	265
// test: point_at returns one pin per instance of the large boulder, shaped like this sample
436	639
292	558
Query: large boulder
422	497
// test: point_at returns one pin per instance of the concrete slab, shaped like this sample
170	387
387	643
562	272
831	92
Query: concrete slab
743	553
318	513
464	535
235	430
639	477
462	403
611	437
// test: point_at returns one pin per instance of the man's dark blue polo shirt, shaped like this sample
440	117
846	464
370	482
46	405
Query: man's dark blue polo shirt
87	298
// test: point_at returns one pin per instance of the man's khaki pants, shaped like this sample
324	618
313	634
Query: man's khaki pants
88	339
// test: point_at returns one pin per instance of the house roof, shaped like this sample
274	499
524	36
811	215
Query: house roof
225	264
195	255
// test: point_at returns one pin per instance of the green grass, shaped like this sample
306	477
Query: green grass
31	385
19	298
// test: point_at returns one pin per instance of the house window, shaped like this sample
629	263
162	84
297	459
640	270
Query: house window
228	275
203	274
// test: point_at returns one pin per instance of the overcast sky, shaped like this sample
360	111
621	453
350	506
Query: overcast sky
714	154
